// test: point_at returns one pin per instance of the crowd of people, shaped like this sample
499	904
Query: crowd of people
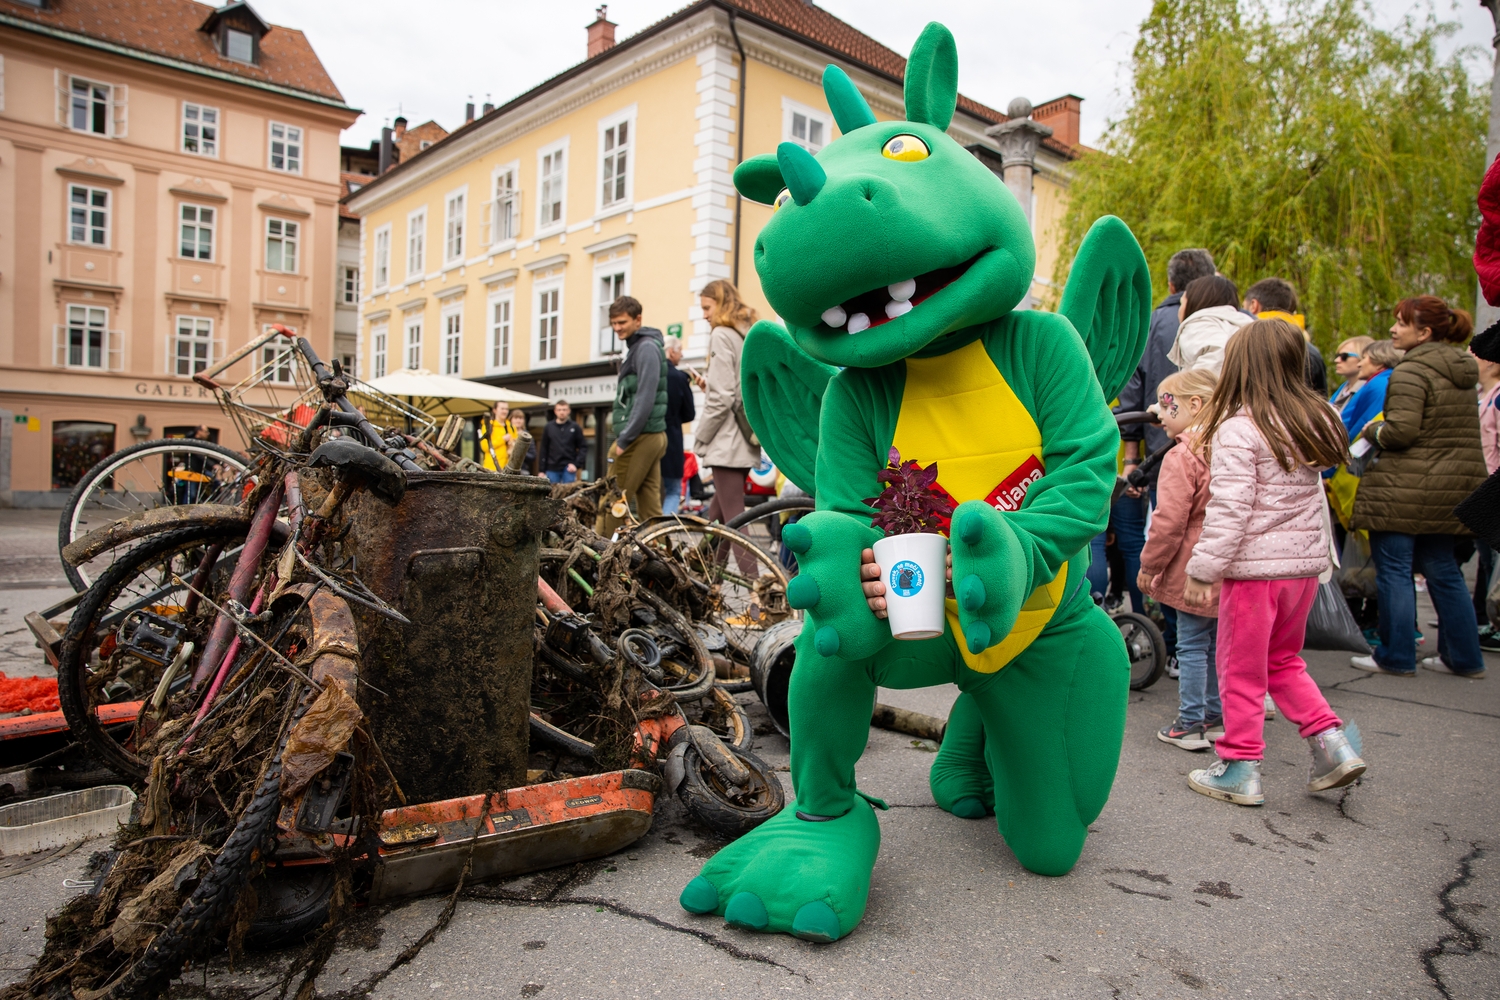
1231	532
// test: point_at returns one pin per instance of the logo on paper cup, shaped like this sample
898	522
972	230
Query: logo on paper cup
906	578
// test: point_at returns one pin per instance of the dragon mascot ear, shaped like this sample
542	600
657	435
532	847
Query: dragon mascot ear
845	101
932	77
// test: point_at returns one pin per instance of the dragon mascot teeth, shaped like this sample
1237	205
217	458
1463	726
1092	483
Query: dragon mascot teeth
896	260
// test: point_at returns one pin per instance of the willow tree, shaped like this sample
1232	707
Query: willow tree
1304	142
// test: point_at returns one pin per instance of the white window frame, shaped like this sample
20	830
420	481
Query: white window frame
196	332
380	336
292	237
208	144
381	265
113	102
90	210
452	327
548	185
348	284
455	212
603	203
411	348
540	357
503	218
110	354
294	147
500	340
199	226
416	244
791	108
282	351
604	335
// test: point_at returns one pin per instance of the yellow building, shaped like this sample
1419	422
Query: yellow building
169	185
495	253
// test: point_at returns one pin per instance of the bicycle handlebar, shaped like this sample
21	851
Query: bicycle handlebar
335	391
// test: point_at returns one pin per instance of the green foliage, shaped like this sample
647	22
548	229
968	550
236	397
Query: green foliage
1305	143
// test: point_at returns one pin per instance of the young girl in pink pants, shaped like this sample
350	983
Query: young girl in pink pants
1265	536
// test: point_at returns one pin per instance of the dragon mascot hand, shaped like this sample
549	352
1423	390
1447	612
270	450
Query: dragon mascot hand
897	260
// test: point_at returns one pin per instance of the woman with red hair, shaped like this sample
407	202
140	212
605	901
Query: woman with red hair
1430	459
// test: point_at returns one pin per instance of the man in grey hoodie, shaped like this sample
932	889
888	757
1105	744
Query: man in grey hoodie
640	415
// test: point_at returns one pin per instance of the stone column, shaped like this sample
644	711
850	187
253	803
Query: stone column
1484	313
1019	139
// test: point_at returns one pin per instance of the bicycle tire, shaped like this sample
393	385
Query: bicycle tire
71	518
1144	646
72	690
193	929
780	505
703	794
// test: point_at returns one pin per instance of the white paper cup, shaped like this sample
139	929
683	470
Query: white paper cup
913	568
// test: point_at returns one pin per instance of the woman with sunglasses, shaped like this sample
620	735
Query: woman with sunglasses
1346	365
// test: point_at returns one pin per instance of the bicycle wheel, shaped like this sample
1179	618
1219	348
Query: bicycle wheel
762	524
128	620
739	588
144	477
1145	647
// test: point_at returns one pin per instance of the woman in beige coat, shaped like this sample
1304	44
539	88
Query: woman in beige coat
718	441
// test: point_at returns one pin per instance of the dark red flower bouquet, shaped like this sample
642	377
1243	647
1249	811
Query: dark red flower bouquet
911	502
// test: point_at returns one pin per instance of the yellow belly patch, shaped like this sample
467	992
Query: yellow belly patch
958	411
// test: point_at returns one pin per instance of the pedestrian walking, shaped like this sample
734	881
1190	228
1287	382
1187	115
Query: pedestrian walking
722	439
1489	442
1181	498
1346	366
1210	313
1430	459
1128	513
639	416
562	450
680	411
1275	298
1265	538
1375	364
496	435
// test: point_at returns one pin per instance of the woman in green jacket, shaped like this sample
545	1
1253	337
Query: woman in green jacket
1429	460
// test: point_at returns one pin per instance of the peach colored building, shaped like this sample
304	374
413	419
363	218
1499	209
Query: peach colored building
169	185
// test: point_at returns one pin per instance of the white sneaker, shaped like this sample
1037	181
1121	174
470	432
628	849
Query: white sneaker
1435	663
1270	709
1368	664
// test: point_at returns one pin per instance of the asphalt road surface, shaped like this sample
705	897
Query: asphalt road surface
1387	889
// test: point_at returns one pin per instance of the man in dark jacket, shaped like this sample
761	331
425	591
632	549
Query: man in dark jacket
1275	298
640	415
562	448
680	410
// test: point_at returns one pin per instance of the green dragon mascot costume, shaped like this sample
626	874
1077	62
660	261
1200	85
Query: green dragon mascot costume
896	259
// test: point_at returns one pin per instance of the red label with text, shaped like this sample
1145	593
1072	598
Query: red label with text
1012	489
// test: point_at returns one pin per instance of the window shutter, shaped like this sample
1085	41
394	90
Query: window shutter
516	214
2	83
60	85
119	95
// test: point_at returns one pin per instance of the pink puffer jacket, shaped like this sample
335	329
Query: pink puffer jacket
1262	522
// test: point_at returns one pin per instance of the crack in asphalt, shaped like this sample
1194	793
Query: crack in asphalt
506	897
1343	803
1464	940
1266	822
1136	892
1409	701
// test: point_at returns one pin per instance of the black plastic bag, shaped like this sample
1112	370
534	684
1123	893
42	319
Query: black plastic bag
1331	625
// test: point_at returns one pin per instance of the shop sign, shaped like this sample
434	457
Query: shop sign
584	391
173	390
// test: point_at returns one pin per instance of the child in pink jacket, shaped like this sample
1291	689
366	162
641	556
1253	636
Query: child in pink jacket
1181	497
1265	536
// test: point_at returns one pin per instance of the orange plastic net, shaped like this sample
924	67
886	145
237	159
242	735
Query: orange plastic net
20	693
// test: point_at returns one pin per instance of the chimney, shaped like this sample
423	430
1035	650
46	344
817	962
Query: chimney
385	150
400	127
468	112
488	107
601	32
1063	116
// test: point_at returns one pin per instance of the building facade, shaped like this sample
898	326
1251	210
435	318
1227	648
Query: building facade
169	185
494	253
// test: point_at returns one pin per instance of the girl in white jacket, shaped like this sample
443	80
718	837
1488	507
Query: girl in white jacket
1210	315
1265	537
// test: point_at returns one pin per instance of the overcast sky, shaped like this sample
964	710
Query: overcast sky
426	60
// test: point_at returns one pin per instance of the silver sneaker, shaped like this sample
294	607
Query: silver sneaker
1335	758
1236	781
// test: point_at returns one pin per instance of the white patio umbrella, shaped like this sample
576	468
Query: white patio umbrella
440	395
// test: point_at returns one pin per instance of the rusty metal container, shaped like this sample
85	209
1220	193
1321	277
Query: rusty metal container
448	695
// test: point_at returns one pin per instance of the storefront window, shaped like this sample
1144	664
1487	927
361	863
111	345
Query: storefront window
77	445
